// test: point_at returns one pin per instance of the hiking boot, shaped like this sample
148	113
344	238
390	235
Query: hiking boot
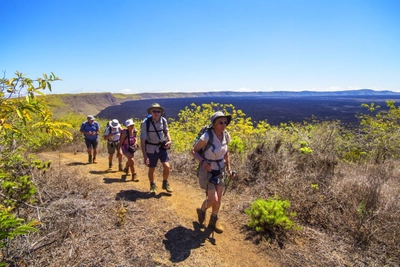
201	216
109	165
94	160
134	177
153	189
90	159
167	187
215	224
120	168
126	170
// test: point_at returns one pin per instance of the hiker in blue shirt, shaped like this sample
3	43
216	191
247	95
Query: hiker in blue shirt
90	130
155	141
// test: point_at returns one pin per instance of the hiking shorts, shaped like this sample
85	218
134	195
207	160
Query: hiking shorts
153	158
204	180
91	143
112	147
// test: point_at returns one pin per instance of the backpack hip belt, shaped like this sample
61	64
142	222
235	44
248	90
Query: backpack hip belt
154	144
214	160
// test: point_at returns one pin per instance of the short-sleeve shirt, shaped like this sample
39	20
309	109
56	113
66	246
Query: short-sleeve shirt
87	127
116	132
218	151
151	136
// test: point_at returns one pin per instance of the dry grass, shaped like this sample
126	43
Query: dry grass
351	219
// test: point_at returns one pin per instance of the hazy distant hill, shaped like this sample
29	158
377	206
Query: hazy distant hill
277	105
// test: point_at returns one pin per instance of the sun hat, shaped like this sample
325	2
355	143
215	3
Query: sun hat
155	105
129	123
90	117
220	114
114	123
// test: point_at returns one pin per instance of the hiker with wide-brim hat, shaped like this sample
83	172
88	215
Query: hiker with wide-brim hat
155	106
211	150
155	142
129	145
112	134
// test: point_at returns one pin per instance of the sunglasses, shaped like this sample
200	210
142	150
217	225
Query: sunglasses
223	122
156	111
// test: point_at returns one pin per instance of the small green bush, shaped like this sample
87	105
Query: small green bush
270	215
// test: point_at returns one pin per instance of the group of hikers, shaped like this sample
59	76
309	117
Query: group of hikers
211	151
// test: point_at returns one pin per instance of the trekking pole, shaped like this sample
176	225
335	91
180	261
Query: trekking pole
228	182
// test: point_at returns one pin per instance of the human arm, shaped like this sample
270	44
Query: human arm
195	151
228	165
107	134
169	141
121	139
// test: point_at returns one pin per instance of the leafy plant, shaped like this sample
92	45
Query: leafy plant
380	138
26	123
244	133
270	215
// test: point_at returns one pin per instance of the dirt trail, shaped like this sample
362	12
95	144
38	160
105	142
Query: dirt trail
227	249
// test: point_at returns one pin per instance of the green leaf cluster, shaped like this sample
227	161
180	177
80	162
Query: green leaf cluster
245	134
26	124
11	226
270	215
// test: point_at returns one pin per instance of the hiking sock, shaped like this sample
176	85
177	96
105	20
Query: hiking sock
110	165
90	159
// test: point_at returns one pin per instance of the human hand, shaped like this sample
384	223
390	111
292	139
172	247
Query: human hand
206	165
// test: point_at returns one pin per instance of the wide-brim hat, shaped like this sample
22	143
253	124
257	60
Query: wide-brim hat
220	114
115	123
90	117
155	105
129	123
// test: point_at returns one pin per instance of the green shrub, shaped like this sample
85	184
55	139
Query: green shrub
270	215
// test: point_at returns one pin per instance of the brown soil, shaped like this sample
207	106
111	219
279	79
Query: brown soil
171	218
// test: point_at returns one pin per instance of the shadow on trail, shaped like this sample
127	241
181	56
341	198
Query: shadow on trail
76	163
98	172
123	179
180	241
133	195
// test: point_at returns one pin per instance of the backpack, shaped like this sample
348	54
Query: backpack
148	121
109	131
210	142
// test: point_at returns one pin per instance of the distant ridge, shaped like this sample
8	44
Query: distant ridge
93	103
360	92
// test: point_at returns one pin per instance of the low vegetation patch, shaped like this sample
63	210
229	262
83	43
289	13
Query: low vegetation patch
341	183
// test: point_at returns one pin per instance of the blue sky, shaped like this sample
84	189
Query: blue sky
123	46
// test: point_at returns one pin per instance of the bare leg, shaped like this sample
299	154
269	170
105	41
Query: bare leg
166	168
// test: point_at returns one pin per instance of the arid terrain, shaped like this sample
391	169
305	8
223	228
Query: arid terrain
159	230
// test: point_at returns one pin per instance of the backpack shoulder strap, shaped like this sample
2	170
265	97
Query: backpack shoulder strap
147	123
210	139
164	121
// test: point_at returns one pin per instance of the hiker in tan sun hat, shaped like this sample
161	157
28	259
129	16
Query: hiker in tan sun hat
155	142
211	150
